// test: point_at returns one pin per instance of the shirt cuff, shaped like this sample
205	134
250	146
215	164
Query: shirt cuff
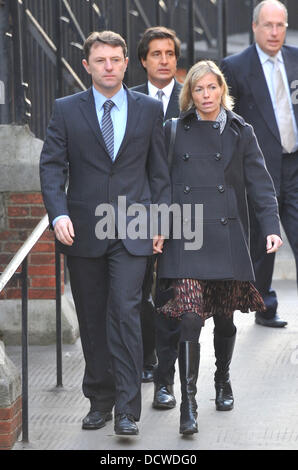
57	218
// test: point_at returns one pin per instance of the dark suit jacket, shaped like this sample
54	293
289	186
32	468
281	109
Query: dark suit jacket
173	106
246	79
74	146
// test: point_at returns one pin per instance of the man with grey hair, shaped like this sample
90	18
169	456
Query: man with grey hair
262	79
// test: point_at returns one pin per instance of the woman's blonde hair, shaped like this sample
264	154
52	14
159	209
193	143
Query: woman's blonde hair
198	71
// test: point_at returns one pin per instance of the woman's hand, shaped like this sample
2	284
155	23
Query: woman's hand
158	241
273	243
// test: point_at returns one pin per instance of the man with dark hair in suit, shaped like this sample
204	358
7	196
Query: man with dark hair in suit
261	80
158	53
108	142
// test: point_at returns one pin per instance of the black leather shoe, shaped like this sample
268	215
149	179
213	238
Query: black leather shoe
125	425
147	374
274	322
164	398
96	419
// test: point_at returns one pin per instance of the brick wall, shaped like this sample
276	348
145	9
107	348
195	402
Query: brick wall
10	424
22	212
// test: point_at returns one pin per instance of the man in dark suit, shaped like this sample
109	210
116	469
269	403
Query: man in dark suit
158	53
109	142
261	80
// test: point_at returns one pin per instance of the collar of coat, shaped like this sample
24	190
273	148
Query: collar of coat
232	117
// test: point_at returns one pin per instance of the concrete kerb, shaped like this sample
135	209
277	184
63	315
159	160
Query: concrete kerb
41	321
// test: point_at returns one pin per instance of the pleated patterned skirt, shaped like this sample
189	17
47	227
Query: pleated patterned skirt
207	298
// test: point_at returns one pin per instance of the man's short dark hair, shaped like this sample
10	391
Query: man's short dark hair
105	37
157	32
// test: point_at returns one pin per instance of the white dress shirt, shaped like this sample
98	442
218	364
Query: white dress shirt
268	66
167	91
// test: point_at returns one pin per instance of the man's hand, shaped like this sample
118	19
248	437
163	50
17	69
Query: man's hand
273	243
64	231
158	241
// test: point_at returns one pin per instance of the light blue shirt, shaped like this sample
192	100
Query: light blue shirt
118	116
268	67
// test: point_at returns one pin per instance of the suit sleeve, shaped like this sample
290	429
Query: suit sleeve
157	165
54	166
227	70
167	131
158	172
259	185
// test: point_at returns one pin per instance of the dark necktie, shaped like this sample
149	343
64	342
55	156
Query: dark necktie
107	127
160	94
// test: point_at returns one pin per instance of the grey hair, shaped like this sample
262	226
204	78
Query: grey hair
258	8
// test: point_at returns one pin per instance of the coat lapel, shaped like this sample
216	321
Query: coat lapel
257	83
173	107
88	109
230	140
133	112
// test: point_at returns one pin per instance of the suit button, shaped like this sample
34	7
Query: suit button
186	157
220	188
224	221
217	156
186	127
215	125
186	189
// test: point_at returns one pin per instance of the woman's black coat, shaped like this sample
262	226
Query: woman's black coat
217	171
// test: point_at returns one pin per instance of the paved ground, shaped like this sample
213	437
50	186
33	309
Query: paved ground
265	383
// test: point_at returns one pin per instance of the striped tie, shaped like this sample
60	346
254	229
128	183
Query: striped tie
107	127
160	94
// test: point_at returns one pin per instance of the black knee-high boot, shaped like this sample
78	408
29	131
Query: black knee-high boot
188	359
223	347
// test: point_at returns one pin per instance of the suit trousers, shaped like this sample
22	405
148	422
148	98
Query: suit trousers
167	341
288	210
160	335
107	292
147	316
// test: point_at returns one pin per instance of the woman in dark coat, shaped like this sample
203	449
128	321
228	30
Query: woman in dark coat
216	163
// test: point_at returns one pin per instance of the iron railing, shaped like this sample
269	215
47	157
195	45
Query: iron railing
21	259
44	42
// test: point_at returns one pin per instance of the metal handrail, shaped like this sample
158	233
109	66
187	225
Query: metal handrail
21	258
23	252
